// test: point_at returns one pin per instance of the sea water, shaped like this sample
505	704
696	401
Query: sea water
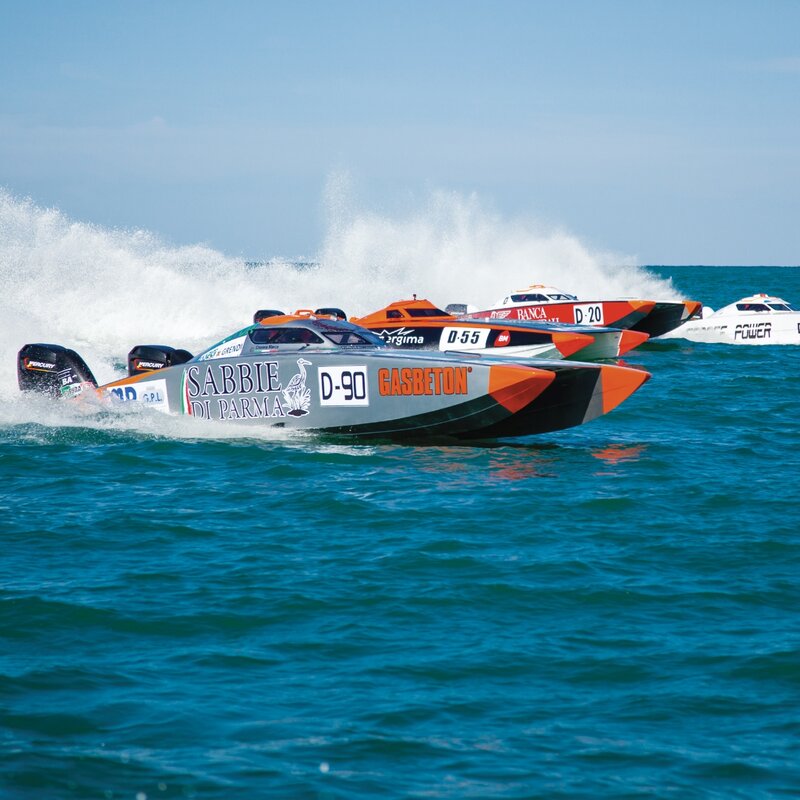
206	611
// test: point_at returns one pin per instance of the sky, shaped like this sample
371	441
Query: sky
669	131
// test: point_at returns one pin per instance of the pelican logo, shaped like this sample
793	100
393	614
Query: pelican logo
296	394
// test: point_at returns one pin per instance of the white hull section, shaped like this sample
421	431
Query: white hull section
546	350
765	329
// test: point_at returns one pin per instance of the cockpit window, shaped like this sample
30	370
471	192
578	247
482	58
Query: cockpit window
425	312
780	306
528	298
752	307
284	335
562	297
393	313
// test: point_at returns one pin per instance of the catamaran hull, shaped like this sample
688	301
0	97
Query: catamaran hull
383	393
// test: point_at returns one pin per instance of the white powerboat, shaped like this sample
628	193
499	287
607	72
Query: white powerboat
757	319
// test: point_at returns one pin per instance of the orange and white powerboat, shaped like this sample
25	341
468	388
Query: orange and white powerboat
419	324
542	303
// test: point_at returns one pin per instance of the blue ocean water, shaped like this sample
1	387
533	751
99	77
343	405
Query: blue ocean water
610	611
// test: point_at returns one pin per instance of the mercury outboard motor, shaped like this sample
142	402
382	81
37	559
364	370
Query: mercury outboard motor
150	357
53	370
266	312
332	312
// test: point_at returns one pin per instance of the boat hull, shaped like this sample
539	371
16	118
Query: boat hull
374	392
610	313
780	328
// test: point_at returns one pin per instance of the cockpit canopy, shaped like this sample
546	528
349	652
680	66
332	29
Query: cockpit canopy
763	303
292	334
537	294
404	310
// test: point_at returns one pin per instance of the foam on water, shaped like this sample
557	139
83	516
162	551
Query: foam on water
102	290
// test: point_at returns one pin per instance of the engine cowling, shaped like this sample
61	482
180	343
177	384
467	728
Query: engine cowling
152	357
53	370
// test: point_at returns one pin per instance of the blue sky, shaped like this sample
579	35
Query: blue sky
665	130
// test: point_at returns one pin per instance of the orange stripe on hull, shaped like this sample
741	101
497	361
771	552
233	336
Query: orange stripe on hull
619	383
631	339
692	308
569	343
515	387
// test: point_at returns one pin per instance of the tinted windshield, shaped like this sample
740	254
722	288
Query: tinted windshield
528	298
562	297
351	338
751	307
425	312
284	335
780	307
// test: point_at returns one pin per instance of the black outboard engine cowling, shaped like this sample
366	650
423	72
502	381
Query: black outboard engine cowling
53	370
332	312
150	357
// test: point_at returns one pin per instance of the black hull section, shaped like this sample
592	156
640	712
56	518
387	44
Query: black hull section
662	319
465	419
570	400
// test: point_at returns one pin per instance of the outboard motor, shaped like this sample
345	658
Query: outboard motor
266	312
53	370
337	313
150	357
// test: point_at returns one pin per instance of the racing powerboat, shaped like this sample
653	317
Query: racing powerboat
419	324
304	372
546	303
757	319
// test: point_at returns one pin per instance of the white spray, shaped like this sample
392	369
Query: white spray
101	291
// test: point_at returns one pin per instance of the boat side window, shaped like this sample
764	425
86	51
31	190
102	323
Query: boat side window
751	307
284	336
349	338
562	297
393	314
528	298
425	312
779	307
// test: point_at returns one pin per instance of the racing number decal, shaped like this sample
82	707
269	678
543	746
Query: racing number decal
343	386
589	314
463	338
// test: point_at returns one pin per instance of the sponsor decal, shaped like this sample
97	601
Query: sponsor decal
531	313
419	381
589	314
401	336
229	349
246	390
453	338
753	330
138	364
500	314
43	366
503	339
73	389
343	386
151	393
